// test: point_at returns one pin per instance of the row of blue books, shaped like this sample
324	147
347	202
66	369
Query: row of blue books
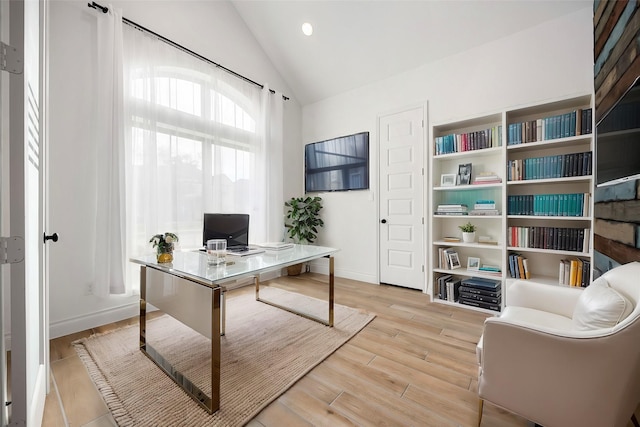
558	166
577	122
573	204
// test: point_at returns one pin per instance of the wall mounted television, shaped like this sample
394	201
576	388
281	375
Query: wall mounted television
618	140
338	164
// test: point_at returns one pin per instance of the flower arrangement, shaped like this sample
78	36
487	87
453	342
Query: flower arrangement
164	244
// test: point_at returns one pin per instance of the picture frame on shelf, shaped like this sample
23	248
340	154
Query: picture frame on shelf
448	179
454	261
473	263
464	174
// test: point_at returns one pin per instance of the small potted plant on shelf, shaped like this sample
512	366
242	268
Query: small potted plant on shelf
468	232
302	222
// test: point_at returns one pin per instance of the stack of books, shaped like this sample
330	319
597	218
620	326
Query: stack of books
487	178
484	207
448	288
480	292
519	266
451	210
575	272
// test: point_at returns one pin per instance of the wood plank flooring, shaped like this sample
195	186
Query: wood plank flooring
413	365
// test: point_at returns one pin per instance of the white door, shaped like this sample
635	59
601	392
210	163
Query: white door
401	198
29	323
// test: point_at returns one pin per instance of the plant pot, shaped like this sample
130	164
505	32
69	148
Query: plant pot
294	270
469	237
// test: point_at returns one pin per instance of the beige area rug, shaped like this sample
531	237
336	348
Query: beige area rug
264	352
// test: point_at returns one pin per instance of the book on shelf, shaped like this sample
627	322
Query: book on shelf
548	167
487	178
479	304
484	212
576	122
570	204
478	297
480	291
477	140
519	266
486	240
442	286
453	289
552	238
450	239
482	283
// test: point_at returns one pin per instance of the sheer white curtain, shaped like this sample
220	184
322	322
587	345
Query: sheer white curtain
109	142
198	139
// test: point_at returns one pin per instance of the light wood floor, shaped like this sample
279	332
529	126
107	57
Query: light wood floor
413	365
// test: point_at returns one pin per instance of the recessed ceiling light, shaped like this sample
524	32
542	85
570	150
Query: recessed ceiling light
307	29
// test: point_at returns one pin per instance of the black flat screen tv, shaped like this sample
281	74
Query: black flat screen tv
618	140
338	164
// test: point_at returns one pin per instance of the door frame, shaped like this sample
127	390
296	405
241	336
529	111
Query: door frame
425	184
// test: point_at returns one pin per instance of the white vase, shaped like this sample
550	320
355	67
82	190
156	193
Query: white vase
469	237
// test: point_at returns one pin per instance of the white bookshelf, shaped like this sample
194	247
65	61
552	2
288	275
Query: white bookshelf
543	262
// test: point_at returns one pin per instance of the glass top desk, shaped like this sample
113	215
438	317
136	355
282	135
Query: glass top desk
191	291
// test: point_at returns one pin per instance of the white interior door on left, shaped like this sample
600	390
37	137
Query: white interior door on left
29	322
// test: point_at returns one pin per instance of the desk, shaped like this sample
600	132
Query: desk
191	291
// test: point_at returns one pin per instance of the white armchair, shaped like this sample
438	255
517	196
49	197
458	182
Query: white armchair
563	357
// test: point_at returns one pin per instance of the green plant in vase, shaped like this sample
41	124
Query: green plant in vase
164	244
468	232
302	222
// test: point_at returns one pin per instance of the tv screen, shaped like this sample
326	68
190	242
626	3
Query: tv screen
618	140
337	164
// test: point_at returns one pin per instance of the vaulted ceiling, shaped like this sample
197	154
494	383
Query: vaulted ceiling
357	42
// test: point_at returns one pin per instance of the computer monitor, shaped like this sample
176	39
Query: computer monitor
232	227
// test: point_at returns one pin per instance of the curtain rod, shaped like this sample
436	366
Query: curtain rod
105	9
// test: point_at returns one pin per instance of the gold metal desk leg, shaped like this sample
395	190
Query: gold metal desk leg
329	321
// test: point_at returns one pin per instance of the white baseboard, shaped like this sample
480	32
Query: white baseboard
323	268
103	317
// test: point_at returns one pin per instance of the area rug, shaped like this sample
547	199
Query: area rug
264	352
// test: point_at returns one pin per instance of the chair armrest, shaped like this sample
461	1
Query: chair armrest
534	372
559	300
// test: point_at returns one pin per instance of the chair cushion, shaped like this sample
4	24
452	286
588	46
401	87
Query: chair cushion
600	306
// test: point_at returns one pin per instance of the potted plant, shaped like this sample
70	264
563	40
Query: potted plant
164	244
302	222
468	232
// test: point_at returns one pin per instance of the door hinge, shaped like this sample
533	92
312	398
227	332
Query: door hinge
10	59
11	250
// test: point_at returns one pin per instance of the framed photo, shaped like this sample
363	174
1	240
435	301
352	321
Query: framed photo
454	260
464	174
448	179
473	263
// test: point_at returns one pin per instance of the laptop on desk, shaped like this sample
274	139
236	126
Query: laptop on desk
234	228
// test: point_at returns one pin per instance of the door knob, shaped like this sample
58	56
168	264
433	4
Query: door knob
384	221
53	237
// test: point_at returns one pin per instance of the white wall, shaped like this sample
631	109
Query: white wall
214	30
547	62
